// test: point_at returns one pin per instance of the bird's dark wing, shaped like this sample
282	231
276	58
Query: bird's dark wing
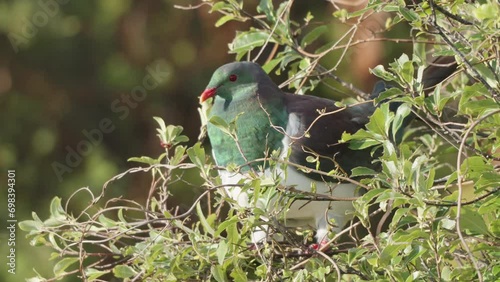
316	125
319	124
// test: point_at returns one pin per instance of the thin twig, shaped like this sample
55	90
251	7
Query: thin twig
470	69
286	9
452	16
337	269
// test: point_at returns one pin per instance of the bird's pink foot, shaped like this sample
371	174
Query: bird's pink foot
318	246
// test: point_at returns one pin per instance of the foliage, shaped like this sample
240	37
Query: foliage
441	182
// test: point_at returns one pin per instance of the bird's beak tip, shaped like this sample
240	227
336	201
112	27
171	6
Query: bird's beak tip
208	93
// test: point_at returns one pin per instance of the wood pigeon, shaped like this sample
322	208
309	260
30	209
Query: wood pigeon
267	119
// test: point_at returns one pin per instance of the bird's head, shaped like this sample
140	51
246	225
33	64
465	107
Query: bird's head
230	78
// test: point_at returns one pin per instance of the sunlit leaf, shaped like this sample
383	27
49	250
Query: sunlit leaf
63	264
124	271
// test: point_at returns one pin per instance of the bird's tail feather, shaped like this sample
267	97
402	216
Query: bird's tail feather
437	71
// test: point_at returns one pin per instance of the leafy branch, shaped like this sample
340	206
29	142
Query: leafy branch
430	213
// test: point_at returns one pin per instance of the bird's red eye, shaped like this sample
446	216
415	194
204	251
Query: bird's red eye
233	77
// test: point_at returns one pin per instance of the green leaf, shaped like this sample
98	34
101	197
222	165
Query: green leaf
402	112
363	144
452	178
402	216
419	54
266	6
30	225
107	222
390	7
144	159
430	179
238	275
494	227
304	63
225	224
311	159
204	222
222	125
341	14
407	72
123	271
247	41
362	171
197	155
92	273
170	135
62	265
224	19
220	6
380	71
487	74
370	195
221	252
447	223
473	100
269	66
56	209
490	206
218	273
408	14
403	67
389	93
178	155
121	216
472	221
361	139
475	166
161	123
446	273
390	252
313	35
233	233
487	179
416	252
487	11
380	120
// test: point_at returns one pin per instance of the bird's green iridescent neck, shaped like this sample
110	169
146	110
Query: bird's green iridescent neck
255	136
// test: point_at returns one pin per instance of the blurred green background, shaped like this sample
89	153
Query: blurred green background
66	66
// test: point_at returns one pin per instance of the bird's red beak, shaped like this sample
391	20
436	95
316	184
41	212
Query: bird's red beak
208	93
